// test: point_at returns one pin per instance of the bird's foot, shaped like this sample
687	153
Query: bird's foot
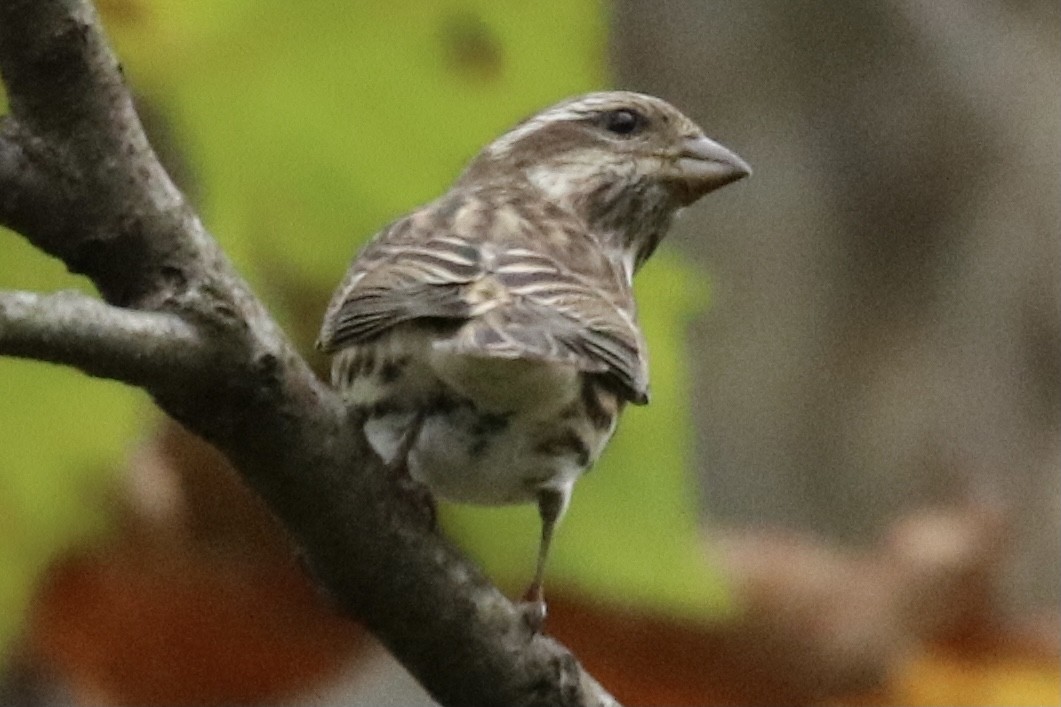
533	613
533	609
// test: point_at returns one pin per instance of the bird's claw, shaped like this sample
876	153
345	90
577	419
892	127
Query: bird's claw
533	608
533	613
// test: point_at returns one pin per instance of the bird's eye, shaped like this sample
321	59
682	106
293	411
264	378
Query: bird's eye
624	121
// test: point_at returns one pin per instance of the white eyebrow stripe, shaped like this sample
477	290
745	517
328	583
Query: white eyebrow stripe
573	109
505	143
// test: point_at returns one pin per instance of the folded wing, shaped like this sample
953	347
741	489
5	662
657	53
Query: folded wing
504	297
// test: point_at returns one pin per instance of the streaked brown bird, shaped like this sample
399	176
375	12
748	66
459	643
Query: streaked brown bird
489	340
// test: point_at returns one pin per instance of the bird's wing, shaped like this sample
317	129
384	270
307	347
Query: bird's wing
392	283
552	312
509	300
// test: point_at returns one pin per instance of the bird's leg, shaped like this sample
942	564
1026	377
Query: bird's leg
400	462
411	489
551	505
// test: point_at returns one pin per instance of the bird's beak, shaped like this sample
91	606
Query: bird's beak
702	165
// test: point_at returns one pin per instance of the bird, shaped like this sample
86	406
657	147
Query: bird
488	341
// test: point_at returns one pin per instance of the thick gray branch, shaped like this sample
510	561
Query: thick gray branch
139	348
79	180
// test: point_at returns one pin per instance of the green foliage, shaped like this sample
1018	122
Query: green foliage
311	127
61	434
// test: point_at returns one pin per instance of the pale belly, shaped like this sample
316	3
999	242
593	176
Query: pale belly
492	431
470	456
461	462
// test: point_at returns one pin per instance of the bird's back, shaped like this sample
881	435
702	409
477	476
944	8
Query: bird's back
497	318
494	273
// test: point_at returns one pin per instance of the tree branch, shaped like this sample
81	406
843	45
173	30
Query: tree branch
79	180
139	348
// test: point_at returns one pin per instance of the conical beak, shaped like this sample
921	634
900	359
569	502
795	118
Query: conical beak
702	165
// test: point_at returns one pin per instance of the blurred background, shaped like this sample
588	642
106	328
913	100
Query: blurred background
846	490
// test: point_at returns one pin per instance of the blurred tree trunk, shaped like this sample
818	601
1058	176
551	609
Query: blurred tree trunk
884	325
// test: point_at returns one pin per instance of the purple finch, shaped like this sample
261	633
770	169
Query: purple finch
489	340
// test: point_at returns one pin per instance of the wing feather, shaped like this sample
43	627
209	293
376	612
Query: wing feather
507	295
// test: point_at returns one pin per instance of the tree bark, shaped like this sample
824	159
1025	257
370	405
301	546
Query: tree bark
79	180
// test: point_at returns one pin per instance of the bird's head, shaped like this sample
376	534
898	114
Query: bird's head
624	162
